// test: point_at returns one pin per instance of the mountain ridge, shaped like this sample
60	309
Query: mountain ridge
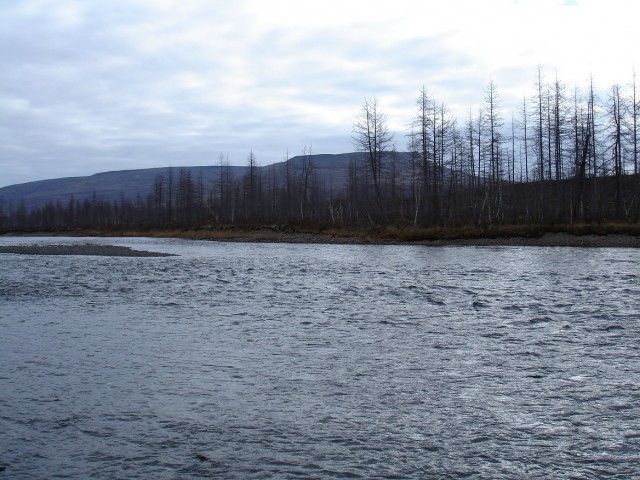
113	185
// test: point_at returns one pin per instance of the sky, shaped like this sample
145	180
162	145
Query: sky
91	85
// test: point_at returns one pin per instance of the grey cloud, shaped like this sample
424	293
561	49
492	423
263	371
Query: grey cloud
102	93
124	84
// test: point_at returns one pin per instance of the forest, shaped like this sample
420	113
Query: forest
566	156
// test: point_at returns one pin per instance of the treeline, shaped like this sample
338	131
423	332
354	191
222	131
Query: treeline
565	156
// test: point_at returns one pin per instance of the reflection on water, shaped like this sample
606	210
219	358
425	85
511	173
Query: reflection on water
320	361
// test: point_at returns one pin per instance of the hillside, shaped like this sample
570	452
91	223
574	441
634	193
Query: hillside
111	186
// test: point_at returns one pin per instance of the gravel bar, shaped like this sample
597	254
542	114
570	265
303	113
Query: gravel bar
95	250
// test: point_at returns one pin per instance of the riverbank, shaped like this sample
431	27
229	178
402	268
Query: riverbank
597	236
547	239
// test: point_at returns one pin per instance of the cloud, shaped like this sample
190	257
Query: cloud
89	86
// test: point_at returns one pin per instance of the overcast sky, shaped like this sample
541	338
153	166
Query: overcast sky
94	85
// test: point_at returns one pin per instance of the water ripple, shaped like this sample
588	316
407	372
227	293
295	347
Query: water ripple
305	361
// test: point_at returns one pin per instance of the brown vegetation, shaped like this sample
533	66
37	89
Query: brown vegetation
603	235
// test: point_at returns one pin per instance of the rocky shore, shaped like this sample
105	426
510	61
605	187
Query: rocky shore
95	250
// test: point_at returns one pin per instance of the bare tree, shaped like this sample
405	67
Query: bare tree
158	197
615	123
170	193
525	139
415	180
559	125
307	171
539	102
371	135
635	110
494	143
251	181
582	145
422	124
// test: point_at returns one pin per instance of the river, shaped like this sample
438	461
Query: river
252	361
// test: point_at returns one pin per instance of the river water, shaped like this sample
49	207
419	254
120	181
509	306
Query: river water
239	360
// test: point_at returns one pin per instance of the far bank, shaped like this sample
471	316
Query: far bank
582	235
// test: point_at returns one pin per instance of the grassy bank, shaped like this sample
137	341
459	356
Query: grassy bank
504	231
505	234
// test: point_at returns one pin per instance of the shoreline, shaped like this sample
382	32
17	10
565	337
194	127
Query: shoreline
345	237
549	240
546	240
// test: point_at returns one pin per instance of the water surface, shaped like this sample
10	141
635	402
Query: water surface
237	360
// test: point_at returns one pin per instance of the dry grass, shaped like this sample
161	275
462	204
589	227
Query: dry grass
312	233
414	234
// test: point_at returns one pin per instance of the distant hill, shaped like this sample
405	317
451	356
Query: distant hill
330	169
105	186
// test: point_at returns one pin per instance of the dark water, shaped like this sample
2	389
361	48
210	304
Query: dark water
306	361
